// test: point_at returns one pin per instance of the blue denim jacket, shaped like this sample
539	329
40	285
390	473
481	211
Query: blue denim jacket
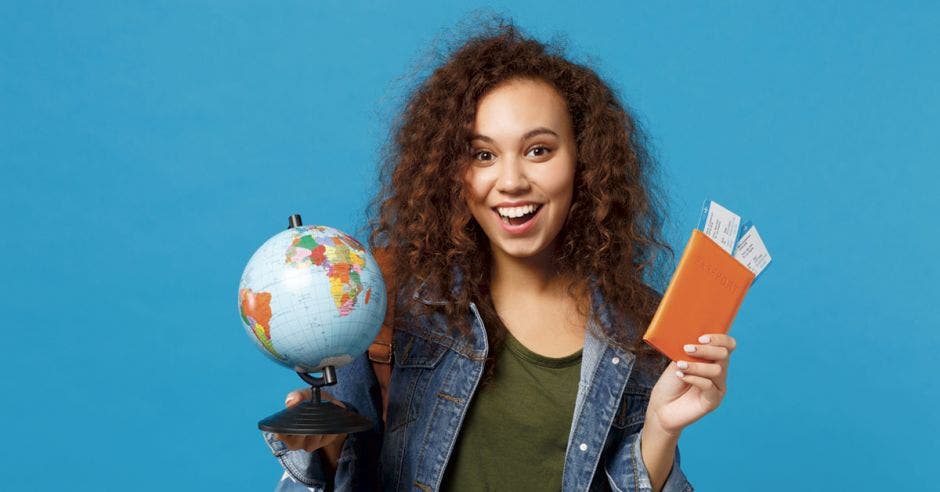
434	377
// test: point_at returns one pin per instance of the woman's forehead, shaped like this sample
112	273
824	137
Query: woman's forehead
515	108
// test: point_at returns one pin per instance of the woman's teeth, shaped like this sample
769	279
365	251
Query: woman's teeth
517	215
513	212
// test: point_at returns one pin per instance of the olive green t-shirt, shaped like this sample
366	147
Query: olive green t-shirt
516	430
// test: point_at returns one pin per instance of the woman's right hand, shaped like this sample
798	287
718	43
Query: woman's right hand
334	442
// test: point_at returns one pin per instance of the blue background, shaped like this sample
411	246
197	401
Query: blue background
148	149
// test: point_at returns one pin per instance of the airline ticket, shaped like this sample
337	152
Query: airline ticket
720	224
751	251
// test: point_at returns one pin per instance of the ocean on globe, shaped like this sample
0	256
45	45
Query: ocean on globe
310	297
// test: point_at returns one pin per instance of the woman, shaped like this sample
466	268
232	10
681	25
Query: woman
519	218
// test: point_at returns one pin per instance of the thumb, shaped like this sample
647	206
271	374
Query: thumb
296	396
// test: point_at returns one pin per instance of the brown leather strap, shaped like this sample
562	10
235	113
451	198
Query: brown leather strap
380	352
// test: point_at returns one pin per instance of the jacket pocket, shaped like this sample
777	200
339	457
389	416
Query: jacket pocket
412	351
632	410
414	359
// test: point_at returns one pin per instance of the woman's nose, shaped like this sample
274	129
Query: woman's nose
512	177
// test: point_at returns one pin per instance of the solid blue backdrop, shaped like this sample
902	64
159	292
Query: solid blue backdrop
148	149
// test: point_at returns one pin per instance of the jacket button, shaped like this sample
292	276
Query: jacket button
615	360
583	447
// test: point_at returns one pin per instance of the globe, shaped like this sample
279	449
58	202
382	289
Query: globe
310	297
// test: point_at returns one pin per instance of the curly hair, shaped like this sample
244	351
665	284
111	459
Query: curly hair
612	234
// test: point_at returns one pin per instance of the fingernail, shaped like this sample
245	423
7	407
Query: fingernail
290	401
683	364
680	374
704	339
689	348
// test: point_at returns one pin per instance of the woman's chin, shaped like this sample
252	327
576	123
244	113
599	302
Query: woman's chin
519	250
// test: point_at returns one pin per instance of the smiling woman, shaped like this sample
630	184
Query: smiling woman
519	218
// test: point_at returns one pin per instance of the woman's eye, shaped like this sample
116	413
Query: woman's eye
540	151
483	155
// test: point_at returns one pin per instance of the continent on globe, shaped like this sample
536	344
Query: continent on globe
255	308
339	255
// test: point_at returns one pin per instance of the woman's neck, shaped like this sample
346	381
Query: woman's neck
532	300
533	276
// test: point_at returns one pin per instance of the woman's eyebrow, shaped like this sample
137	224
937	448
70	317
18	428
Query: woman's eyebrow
529	134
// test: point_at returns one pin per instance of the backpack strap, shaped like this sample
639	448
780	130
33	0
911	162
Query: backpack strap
380	352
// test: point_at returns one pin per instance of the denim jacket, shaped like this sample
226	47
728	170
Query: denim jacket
434	377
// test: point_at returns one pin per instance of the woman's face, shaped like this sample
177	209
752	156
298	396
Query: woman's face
521	179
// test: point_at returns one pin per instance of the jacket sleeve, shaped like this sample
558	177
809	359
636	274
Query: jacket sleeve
675	482
357	467
626	471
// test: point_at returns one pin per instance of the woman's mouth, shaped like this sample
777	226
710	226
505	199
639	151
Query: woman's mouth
516	216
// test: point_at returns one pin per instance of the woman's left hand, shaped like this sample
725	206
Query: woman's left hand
677	401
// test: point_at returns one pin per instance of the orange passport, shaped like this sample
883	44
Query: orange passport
703	296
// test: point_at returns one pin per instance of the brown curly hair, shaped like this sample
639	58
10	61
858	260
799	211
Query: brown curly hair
612	234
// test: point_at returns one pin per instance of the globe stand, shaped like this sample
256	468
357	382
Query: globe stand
314	416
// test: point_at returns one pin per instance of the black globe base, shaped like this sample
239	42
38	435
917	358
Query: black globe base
316	417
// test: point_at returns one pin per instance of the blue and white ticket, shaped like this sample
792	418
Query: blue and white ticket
751	251
720	224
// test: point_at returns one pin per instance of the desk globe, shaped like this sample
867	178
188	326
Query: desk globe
312	299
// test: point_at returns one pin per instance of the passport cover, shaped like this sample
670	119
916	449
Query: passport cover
703	296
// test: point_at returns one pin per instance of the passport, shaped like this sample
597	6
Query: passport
703	296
